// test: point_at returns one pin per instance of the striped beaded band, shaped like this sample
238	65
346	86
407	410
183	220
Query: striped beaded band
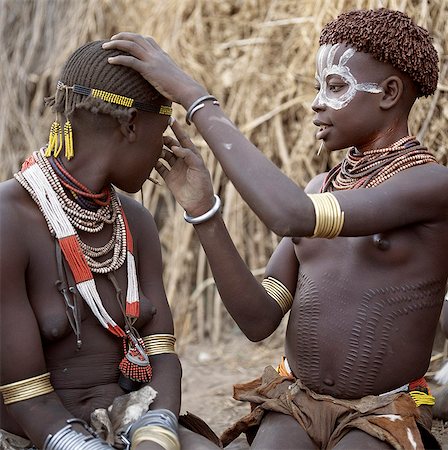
26	389
156	344
329	217
119	99
279	292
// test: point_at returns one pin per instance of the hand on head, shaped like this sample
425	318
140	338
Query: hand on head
147	58
184	172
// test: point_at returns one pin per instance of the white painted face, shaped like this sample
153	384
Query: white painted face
328	69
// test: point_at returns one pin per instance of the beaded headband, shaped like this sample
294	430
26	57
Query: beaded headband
118	99
63	137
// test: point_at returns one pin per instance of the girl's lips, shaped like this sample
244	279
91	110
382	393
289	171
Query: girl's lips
322	132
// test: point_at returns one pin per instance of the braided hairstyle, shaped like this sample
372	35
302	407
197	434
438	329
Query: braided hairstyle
88	66
391	37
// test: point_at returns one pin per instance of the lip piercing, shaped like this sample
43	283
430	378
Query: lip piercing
320	148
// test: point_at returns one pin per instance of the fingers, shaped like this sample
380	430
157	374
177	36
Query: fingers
144	41
183	138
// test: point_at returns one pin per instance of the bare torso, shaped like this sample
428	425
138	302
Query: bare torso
366	309
84	378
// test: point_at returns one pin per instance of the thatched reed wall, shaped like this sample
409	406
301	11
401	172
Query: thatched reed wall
256	56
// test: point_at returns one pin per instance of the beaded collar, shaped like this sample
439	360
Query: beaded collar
373	167
64	216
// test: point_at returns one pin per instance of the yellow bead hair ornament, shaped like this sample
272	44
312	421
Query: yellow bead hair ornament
68	137
121	100
54	139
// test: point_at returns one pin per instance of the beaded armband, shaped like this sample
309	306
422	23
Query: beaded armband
329	217
26	389
155	344
279	292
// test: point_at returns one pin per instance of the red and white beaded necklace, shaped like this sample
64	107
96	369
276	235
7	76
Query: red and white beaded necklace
64	216
373	167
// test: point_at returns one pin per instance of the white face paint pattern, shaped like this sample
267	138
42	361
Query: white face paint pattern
327	67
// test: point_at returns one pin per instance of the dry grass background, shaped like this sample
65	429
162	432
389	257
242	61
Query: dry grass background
256	56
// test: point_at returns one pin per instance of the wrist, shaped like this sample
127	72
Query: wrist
208	214
192	95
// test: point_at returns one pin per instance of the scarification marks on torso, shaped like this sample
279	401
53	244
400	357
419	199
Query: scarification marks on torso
378	311
306	312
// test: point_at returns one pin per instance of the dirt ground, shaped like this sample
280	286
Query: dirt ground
209	373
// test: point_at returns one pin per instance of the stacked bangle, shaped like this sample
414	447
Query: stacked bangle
329	216
159	426
26	389
206	216
69	439
197	105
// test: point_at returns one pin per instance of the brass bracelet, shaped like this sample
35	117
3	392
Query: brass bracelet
329	217
162	436
26	389
155	344
279	292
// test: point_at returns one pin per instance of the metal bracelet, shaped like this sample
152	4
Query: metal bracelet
208	215
69	439
197	105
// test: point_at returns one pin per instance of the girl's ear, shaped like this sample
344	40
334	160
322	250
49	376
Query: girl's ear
393	88
127	127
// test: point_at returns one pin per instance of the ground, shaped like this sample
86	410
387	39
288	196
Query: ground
209	373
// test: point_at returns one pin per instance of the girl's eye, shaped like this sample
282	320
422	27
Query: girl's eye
335	87
316	87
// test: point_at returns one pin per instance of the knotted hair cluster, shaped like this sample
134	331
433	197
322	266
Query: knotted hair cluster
391	37
88	66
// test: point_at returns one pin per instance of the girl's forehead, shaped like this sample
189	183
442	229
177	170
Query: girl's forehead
333	57
330	55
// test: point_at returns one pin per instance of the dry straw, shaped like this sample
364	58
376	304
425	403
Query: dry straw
255	56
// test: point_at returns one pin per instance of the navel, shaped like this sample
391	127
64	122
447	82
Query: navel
380	241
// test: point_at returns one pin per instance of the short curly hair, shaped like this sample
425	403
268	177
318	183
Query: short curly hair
391	37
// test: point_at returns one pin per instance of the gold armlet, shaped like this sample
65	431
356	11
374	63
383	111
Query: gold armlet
26	389
160	435
155	344
329	217
279	292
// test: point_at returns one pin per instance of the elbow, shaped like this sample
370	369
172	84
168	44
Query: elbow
288	222
259	333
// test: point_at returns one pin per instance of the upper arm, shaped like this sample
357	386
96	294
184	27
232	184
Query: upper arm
283	265
410	197
19	331
22	355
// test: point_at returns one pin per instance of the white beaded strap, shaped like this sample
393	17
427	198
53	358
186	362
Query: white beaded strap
197	105
204	217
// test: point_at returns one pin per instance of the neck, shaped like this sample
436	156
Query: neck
384	139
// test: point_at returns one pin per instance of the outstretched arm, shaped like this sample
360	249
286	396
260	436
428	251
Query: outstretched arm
256	313
407	198
276	199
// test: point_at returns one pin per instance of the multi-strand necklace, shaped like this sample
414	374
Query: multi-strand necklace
47	181
373	167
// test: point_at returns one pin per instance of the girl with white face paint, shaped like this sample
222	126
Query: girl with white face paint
364	306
